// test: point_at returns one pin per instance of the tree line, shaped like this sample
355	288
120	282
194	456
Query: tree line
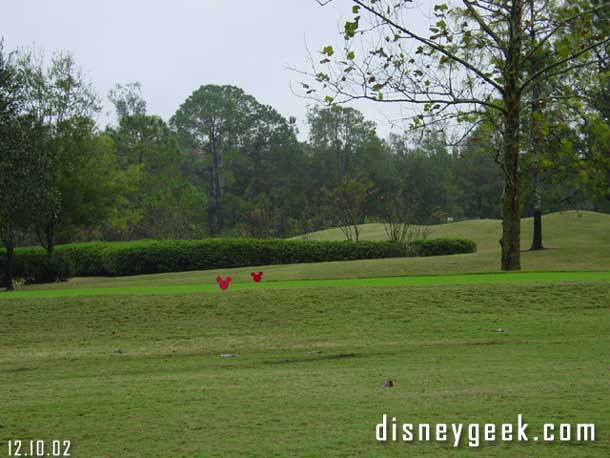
226	164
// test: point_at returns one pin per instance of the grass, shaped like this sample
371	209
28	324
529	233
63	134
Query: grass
575	240
141	376
152	289
131	366
574	243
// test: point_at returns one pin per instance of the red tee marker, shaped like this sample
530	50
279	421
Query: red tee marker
256	276
223	283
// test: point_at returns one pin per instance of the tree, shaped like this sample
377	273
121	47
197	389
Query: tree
478	178
474	59
210	124
591	145
87	177
127	99
536	138
348	204
163	203
56	92
24	191
426	172
24	188
572	124
398	213
267	171
338	136
233	144
260	222
60	98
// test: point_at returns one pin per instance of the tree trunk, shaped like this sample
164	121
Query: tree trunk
51	249
537	240
50	235
536	142
46	238
212	205
10	251
511	216
218	223
215	222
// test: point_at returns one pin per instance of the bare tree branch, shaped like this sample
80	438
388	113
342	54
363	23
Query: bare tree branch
484	26
431	44
545	70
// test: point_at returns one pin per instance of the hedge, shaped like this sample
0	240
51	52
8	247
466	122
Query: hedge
151	256
31	265
441	247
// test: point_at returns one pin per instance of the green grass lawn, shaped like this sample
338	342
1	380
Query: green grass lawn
131	367
143	288
575	243
141	376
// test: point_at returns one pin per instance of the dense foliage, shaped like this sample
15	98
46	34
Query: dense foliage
227	165
440	247
152	256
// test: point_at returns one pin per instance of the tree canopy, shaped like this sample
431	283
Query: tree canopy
491	138
475	59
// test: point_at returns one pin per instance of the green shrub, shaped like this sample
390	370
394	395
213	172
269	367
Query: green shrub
153	256
86	259
175	256
441	247
32	265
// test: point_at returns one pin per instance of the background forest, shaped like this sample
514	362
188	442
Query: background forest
226	164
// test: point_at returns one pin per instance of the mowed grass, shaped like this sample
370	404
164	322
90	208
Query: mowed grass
575	241
141	376
456	279
131	366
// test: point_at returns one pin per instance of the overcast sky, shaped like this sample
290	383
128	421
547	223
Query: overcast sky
174	46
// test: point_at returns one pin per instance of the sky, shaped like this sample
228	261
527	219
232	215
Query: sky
174	46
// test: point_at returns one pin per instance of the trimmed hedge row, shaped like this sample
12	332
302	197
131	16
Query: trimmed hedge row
31	265
441	247
151	256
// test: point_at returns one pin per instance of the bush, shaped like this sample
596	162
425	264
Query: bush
32	265
151	256
87	259
175	256
441	247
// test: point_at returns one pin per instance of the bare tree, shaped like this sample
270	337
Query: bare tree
398	207
348	206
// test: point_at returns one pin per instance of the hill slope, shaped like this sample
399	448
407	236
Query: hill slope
574	241
576	227
142	375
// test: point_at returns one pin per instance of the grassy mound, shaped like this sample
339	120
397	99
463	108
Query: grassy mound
574	243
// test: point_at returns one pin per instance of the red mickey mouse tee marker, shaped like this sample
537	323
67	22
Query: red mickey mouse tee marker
223	283
256	276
